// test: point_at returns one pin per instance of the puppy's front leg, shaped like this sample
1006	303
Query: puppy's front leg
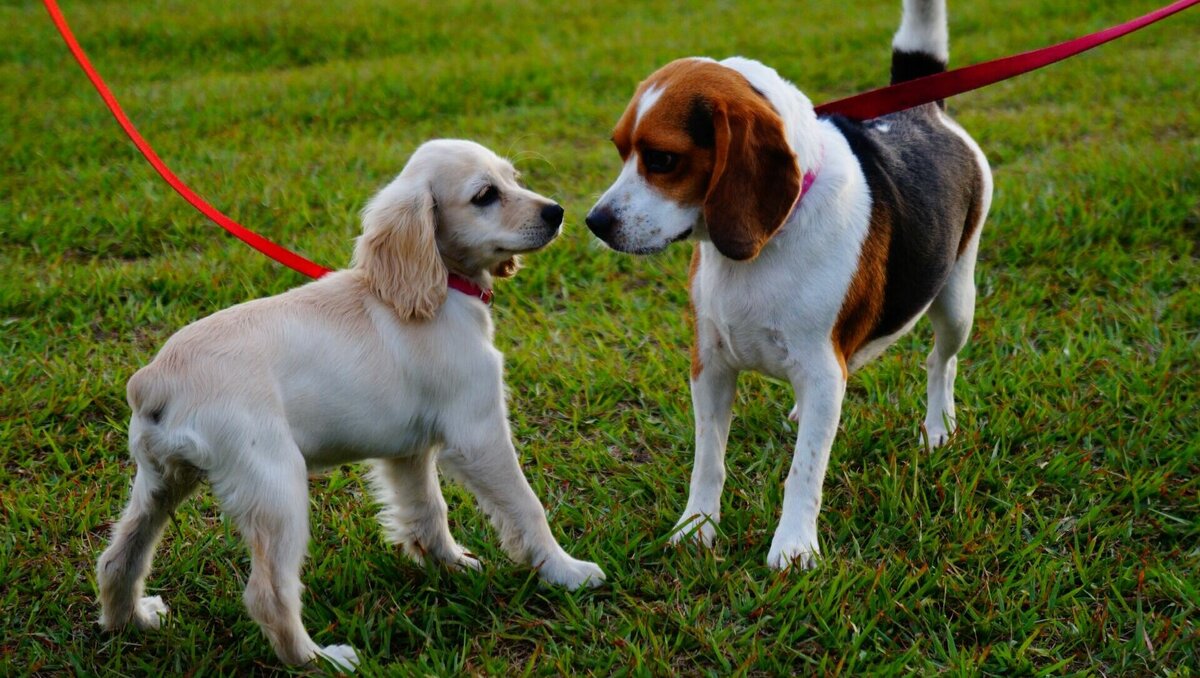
414	511
820	387
489	468
713	389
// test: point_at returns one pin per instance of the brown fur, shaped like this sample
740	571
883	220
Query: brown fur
755	181
747	182
863	305
974	216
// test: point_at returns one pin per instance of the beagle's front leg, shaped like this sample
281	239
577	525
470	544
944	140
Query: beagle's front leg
820	386
713	389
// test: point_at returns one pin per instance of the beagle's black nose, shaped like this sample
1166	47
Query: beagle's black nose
552	214
601	221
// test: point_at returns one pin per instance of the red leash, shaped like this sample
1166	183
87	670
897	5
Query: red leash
283	256
944	85
863	106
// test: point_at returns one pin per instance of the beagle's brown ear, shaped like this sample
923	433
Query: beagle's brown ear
398	252
507	268
755	180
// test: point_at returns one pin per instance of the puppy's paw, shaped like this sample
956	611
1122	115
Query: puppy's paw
571	573
695	528
149	612
463	561
798	553
445	552
342	657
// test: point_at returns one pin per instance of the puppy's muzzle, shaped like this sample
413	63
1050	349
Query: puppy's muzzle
552	215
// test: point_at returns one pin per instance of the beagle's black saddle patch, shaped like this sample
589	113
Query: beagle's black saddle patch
926	190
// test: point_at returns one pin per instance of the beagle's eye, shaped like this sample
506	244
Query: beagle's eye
487	196
659	162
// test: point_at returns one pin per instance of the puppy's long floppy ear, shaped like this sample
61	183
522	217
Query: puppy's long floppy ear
755	180
398	251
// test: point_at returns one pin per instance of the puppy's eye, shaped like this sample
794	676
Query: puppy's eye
486	197
659	162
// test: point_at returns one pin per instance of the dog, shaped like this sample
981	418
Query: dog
381	361
818	242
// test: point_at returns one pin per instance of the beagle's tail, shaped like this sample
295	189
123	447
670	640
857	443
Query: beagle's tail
922	45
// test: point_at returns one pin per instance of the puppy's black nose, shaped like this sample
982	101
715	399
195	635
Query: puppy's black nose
552	214
601	221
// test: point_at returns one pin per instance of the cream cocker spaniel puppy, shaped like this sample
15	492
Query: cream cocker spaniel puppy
391	360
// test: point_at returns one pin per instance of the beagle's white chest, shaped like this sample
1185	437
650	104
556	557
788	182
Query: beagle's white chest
743	328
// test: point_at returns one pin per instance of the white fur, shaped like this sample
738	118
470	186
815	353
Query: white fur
649	98
256	396
649	220
775	313
923	29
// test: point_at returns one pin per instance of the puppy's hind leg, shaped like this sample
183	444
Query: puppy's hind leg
269	503
951	313
414	511
122	569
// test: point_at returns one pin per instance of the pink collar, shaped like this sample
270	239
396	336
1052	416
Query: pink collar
469	288
809	177
806	183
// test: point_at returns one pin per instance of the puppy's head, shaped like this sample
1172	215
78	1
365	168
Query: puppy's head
456	207
704	153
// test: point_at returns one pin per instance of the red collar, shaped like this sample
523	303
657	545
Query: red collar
469	288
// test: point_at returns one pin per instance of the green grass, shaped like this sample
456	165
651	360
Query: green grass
1057	533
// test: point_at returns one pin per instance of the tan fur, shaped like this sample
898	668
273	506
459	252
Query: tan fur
662	128
399	256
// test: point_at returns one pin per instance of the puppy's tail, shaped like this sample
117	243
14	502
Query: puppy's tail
922	45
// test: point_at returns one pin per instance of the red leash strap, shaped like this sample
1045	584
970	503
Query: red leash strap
930	88
283	256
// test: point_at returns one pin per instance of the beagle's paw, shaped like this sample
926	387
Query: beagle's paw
695	528
342	657
793	551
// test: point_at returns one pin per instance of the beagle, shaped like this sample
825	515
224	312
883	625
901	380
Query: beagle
818	242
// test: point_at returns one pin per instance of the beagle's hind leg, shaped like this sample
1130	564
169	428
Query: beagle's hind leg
951	314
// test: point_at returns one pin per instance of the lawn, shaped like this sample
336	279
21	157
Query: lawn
1058	532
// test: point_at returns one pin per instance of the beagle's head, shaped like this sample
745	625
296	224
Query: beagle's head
705	154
